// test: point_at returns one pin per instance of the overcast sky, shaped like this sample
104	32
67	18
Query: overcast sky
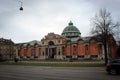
41	17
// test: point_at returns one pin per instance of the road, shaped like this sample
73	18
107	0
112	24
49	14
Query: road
11	72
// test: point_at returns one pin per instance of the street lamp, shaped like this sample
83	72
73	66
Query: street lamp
21	8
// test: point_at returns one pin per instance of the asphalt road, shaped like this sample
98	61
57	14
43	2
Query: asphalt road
11	72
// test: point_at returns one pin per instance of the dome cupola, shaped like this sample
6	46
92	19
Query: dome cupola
71	31
70	23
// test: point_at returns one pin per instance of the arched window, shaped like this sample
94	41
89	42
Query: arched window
86	49
74	49
63	50
51	43
100	48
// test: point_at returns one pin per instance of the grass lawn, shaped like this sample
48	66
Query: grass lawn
54	64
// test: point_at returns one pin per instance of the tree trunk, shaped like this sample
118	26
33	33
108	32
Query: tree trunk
105	48
105	52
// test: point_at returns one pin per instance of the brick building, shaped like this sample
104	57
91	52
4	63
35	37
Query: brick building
68	45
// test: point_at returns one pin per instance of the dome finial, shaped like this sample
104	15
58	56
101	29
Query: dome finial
70	23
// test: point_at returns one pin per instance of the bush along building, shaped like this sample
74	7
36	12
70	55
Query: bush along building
68	45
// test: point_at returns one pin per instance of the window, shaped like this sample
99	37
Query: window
59	53
100	46
74	47
63	50
58	41
43	54
51	43
94	56
116	61
86	47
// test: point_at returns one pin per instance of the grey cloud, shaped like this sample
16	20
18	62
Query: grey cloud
47	13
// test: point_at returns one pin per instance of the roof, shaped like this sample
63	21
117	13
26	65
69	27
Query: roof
71	31
74	39
7	41
86	39
31	43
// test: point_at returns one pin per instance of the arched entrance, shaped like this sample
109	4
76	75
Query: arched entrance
52	50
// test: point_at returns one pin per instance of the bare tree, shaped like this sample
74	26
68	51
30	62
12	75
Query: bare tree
117	36
117	33
104	26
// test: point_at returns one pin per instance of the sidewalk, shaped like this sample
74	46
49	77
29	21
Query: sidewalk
82	62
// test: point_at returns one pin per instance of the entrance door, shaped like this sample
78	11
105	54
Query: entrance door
52	52
51	49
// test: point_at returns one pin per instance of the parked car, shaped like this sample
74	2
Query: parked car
113	67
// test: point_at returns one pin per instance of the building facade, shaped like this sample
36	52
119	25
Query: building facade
7	49
68	45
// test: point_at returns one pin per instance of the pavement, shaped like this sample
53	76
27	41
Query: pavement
101	62
13	72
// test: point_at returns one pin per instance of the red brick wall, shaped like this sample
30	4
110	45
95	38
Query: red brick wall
113	52
113	47
94	49
68	50
29	51
37	51
81	49
22	52
75	50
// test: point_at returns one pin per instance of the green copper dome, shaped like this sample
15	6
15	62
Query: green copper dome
71	31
